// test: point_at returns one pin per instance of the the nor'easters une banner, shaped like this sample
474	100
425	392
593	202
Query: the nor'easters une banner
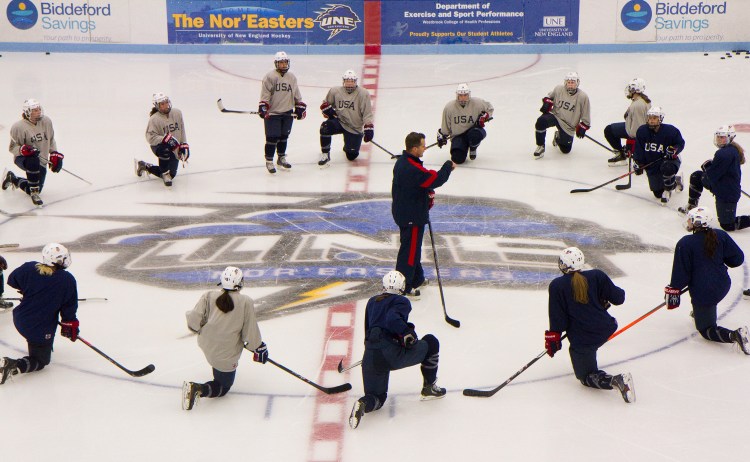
270	22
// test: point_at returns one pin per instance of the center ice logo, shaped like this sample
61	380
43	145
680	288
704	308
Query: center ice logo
636	15
337	248
337	18
22	14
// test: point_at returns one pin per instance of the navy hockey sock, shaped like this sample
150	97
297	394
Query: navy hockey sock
213	389
598	379
717	334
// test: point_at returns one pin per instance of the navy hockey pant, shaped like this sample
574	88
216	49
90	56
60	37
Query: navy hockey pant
615	133
408	261
36	173
468	140
352	141
586	369
219	386
40	354
545	121
168	161
661	176
726	212
278	128
705	324
383	354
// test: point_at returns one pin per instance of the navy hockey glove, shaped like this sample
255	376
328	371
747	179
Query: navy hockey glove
55	161
329	112
28	150
483	119
369	132
183	152
70	330
170	142
263	108
581	130
547	105
552	342
260	354
3	263
300	110
672	297
671	153
637	169
442	140
409	338
706	165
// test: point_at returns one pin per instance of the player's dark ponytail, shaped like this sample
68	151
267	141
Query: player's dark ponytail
740	152
710	243
153	111
225	302
580	288
645	98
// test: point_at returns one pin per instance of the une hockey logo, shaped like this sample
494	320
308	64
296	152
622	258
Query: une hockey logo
336	19
22	14
334	248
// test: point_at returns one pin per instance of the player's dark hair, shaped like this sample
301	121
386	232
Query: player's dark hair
225	302
580	287
711	242
153	111
413	140
740	152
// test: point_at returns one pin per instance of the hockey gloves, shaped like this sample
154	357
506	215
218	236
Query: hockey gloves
260	354
300	110
637	169
263	108
183	152
27	150
442	140
547	105
369	132
170	142
55	161
409	338
671	153
552	342
431	198
329	112
70	330
483	119
706	165
672	297
3	263
581	130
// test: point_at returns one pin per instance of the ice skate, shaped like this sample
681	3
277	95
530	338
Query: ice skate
269	166
473	154
620	159
432	392
5	305
9	180
8	367
746	294
539	152
34	195
281	162
687	208
556	138
413	294
678	183
191	394
141	167
358	410
167	179
665	196
741	337
325	160
624	383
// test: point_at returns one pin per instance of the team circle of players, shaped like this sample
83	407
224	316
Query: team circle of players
579	299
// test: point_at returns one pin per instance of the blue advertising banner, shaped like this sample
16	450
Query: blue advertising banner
551	21
267	22
431	22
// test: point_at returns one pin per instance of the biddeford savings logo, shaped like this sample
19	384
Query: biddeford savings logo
22	14
636	15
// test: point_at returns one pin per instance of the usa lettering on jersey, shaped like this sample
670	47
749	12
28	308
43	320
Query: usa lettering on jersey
283	86
345	105
654	147
463	119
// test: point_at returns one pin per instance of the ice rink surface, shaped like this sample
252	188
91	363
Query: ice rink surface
500	222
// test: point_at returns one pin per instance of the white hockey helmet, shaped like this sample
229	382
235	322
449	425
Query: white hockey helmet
724	135
697	218
637	85
160	97
655	111
54	254
281	57
571	77
31	104
350	80
394	282
463	89
231	278
571	259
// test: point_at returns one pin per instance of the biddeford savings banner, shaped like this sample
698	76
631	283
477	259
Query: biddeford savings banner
88	21
300	22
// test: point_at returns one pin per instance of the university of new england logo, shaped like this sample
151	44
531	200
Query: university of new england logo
336	19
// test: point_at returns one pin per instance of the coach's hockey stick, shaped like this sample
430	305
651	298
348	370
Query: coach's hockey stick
9	246
488	393
139	373
630	172
393	156
601	144
448	319
73	174
327	390
621	187
341	367
232	111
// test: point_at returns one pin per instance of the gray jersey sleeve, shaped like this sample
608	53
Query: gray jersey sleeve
197	317
636	116
40	135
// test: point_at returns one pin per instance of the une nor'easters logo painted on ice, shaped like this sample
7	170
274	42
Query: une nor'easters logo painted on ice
22	14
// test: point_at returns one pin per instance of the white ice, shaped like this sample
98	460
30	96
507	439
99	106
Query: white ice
692	394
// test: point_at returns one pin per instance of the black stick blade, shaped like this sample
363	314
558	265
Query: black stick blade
339	389
453	322
478	393
341	366
145	371
573	191
621	187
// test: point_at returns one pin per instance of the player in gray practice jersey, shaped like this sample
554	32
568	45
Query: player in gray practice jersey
567	108
165	134
280	99
635	116
32	143
348	111
463	123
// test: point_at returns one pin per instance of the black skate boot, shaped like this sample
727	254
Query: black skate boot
746	294
624	383
556	138
141	167
325	160
413	294
620	159
473	154
539	152
432	392
281	162
8	367
5	305
167	179
34	195
191	394
10	180
358	410
269	166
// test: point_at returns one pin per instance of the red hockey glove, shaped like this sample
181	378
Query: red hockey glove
369	132
170	142
431	197
300	110
672	297
183	152
28	150
56	161
260	354
552	342
671	153
581	130
329	112
70	330
547	105
483	119
263	108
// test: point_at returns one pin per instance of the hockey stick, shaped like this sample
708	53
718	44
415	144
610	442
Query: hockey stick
9	246
327	390
90	299
448	319
600	144
620	187
746	194
652	311
223	109
139	373
488	393
630	172
393	156
73	174
341	367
